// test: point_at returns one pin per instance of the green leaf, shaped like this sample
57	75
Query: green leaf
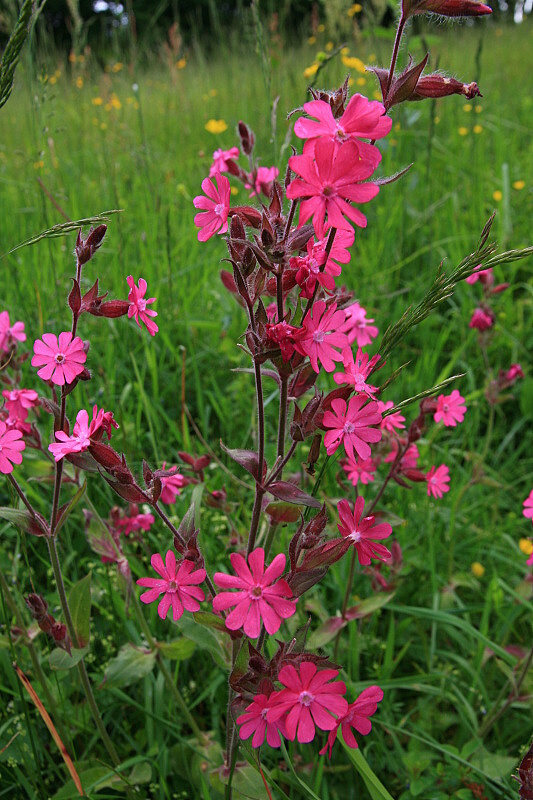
493	765
329	629
375	788
204	637
96	778
79	600
12	51
178	650
60	659
66	510
129	666
17	516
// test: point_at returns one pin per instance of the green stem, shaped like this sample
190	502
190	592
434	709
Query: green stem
259	491
82	671
178	697
346	599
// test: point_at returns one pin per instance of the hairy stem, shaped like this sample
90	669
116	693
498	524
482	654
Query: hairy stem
259	490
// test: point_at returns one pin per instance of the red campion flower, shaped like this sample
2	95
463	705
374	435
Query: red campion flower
331	181
310	698
61	359
178	584
261	596
450	409
356	371
350	424
356	717
138	305
11	447
213	217
254	721
362	531
320	335
438	479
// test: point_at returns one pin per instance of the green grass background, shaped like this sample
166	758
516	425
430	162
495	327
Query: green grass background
427	649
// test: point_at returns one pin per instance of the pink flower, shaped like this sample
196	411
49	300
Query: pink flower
83	432
408	460
331	182
281	334
356	371
178	584
11	447
263	181
311	268
138	305
320	335
61	359
359	469
450	409
309	699
362	531
261	596
528	506
343	240
214	208
254	720
357	326
486	276
356	717
481	320
351	426
172	483
220	160
19	401
133	521
514	372
10	333
362	118
391	421
438	479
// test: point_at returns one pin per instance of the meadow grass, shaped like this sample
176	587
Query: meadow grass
136	141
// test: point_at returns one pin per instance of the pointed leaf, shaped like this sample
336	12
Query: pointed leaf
79	600
246	459
66	510
129	666
290	493
60	659
179	650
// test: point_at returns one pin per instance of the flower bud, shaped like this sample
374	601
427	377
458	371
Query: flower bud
436	85
86	248
247	138
447	8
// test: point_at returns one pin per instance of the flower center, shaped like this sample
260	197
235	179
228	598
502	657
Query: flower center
59	358
141	304
318	337
328	191
355	536
256	592
219	209
340	135
445	407
349	427
306	698
172	586
359	378
264	713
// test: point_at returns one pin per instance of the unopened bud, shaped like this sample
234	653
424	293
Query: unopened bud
447	8
86	248
247	138
436	85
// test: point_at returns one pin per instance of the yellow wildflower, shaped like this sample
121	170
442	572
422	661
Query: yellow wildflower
355	9
321	28
463	131
478	109
311	40
345	51
477	128
79	82
329	46
497	195
467	107
478	570
117	67
526	546
216	126
352	62
310	71
361	81
182	63
38	164
518	185
97	101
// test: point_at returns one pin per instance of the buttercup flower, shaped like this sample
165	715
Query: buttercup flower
350	424
450	409
254	721
362	531
356	717
261	596
11	447
214	208
61	359
438	479
138	305
310	698
178	585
